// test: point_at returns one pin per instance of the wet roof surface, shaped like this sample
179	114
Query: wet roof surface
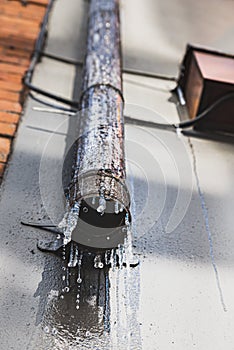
181	294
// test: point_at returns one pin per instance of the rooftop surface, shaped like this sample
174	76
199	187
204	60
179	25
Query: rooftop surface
180	296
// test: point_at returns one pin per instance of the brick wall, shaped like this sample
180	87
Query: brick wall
20	26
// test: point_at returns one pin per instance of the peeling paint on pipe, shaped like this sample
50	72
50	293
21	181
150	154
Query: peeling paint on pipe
99	177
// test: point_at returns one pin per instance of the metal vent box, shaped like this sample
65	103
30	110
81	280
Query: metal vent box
206	76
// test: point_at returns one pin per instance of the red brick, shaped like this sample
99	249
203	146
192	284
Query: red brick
26	12
12	68
9	95
30	2
6	51
7	129
10	77
20	27
10	106
5	146
19	61
2	168
39	2
9	117
20	23
17	42
9	86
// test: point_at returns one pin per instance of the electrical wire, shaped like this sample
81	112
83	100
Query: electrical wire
62	59
38	53
184	124
164	126
27	79
124	70
76	104
50	104
199	117
148	74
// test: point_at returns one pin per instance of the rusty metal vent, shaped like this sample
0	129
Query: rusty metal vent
205	77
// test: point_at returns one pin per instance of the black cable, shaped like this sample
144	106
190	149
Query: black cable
37	52
181	125
61	99
149	124
124	70
199	117
62	59
52	105
148	74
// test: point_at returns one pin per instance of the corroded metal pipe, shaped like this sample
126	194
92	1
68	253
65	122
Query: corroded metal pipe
98	184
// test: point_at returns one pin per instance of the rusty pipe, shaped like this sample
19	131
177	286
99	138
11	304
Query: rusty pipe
99	179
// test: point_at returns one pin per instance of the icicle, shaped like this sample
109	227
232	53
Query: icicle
129	257
116	207
71	257
113	261
107	257
102	202
98	264
75	261
120	255
79	280
101	205
67	288
71	221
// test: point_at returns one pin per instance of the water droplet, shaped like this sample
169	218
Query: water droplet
79	280
85	210
54	331
66	289
65	241
46	329
96	38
